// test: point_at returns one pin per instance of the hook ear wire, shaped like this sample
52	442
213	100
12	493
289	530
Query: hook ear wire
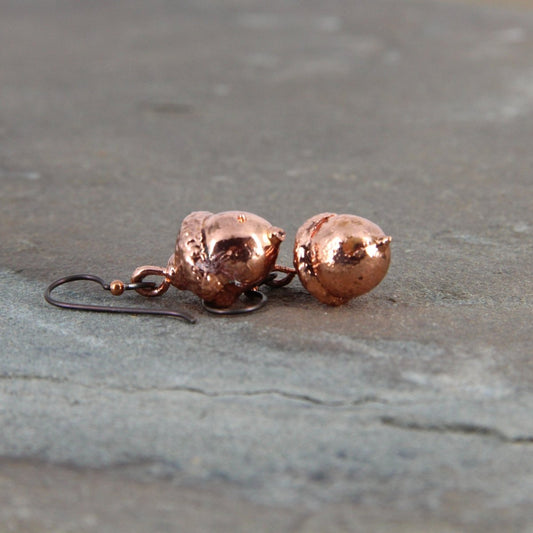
108	309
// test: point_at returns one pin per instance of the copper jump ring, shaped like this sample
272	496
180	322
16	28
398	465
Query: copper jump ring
148	270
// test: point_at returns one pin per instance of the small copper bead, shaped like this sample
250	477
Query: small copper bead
339	257
116	287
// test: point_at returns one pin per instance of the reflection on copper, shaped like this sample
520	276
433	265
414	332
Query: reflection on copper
339	257
220	256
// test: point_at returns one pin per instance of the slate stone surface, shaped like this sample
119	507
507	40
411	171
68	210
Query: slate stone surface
411	408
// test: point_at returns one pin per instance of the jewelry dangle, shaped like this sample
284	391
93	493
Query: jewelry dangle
339	257
220	257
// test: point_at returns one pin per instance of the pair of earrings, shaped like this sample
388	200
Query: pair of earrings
221	256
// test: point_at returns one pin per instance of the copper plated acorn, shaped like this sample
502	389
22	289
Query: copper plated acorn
220	256
339	257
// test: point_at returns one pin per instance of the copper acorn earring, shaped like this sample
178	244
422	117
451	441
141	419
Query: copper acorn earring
217	256
221	256
339	257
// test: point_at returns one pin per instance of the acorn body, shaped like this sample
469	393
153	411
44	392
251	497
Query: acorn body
339	257
219	256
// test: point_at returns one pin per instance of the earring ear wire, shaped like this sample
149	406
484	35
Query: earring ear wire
116	287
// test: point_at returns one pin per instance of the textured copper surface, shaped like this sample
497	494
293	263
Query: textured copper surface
219	256
339	257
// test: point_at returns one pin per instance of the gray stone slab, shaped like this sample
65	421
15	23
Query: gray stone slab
409	409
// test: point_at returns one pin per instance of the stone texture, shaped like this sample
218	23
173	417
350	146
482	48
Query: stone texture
409	409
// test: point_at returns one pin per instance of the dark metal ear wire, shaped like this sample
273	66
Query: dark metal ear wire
116	287
238	310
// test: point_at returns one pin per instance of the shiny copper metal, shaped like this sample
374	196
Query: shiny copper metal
149	270
220	256
117	287
339	257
